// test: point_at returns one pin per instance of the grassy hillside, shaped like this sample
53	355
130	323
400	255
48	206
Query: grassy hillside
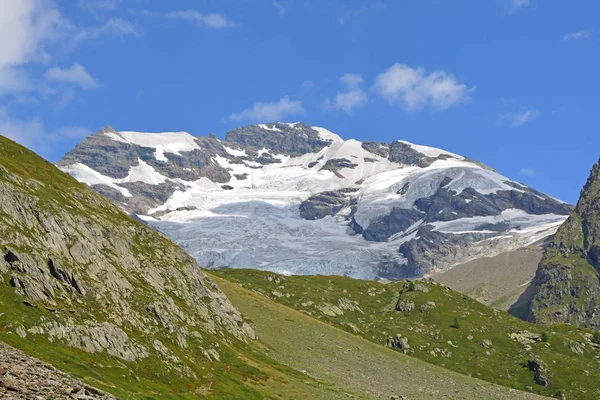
442	327
363	368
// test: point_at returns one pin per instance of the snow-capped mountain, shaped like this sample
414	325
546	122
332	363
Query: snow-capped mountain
298	199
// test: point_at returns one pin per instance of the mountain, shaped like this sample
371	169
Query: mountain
114	305
567	282
299	199
433	323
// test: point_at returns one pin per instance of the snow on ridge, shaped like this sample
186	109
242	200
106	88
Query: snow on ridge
431	151
90	177
140	173
163	142
274	128
326	134
234	152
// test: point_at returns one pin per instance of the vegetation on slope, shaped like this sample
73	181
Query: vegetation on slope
92	291
433	323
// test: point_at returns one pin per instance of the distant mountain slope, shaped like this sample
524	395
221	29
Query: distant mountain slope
360	366
299	199
503	281
567	283
433	323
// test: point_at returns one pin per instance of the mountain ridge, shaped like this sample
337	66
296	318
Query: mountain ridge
567	287
395	209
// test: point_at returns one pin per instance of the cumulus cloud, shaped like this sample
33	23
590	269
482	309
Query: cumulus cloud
29	31
521	117
213	20
576	36
414	90
26	26
270	112
76	75
352	98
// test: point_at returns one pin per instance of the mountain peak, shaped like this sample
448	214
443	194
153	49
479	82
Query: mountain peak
291	193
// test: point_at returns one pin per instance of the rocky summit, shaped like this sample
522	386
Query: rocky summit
298	199
567	282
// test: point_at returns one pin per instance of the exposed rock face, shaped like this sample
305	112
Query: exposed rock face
323	204
288	139
567	282
541	371
397	210
104	282
23	377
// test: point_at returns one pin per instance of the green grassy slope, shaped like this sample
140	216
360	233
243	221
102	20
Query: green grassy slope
480	346
363	368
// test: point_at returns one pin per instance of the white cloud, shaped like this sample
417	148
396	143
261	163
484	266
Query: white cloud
530	172
280	7
516	4
415	90
270	112
521	117
214	20
113	27
29	29
351	99
76	75
25	27
576	36
34	135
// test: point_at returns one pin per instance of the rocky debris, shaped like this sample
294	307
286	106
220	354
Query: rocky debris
398	342
567	284
486	344
398	398
541	371
428	305
241	177
330	310
405	305
320	205
24	377
525	337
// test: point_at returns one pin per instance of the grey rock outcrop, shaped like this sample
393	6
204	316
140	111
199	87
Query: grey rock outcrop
567	281
323	204
94	271
289	139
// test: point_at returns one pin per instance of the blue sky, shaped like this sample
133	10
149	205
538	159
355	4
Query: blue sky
512	83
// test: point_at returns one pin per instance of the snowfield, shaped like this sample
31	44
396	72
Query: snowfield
256	222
